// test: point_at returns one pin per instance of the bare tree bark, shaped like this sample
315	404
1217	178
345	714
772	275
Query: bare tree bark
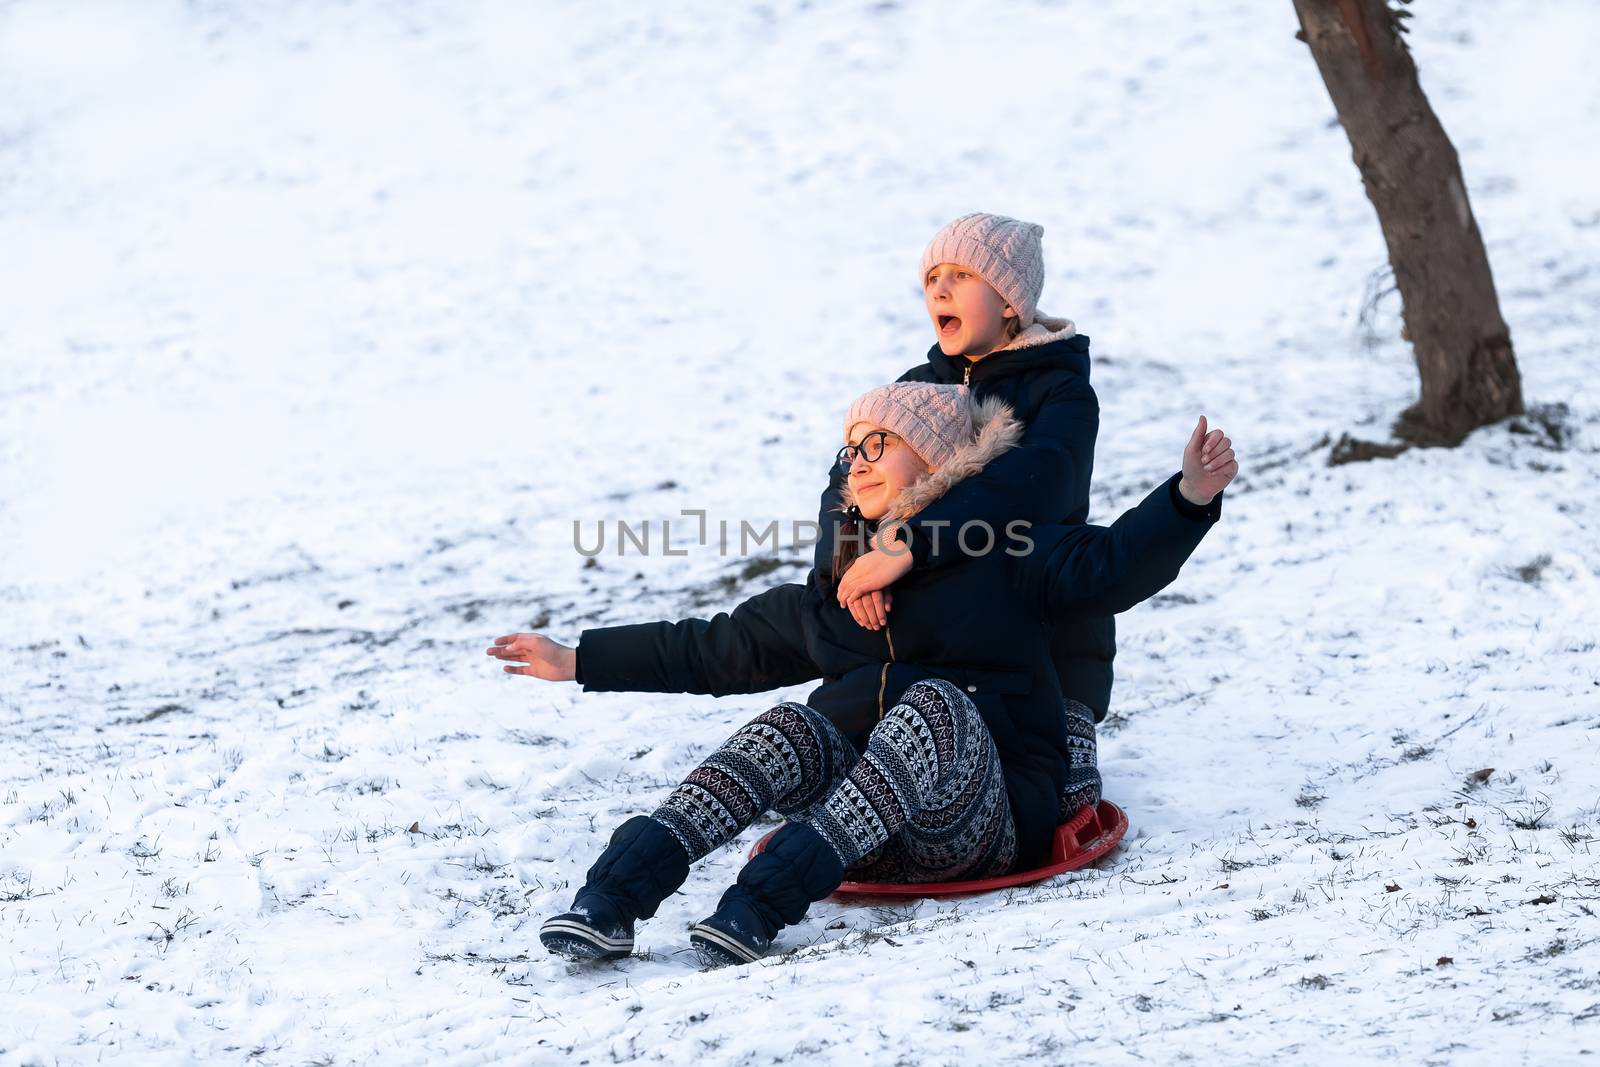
1413	178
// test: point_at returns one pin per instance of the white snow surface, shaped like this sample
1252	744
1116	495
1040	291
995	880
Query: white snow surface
321	325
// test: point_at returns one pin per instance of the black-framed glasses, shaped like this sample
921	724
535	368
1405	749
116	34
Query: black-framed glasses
869	448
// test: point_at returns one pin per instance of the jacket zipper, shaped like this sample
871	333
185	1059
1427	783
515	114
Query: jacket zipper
883	676
966	375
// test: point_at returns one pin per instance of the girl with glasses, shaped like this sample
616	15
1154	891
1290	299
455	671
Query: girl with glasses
935	747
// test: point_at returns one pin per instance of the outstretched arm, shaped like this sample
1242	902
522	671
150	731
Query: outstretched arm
1101	570
1096	570
756	647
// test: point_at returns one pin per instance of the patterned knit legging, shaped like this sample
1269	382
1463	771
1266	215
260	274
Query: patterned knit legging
1083	767
926	801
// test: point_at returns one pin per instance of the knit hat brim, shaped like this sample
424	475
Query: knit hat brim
932	419
1004	252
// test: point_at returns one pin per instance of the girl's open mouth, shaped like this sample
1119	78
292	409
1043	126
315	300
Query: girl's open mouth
949	324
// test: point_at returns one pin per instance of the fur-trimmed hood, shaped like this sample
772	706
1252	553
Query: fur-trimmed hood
1043	330
996	428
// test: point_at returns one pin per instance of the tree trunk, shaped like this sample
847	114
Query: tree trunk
1413	178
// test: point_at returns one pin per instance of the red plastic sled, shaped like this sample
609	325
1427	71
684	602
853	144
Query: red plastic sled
1079	841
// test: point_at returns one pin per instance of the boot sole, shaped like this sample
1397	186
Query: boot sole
576	941
717	949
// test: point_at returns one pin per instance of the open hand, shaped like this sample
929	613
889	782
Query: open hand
1208	465
543	657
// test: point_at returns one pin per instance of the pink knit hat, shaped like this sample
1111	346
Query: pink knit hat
1004	252
934	420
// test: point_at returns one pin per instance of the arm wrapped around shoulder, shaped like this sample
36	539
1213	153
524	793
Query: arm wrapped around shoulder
756	647
1100	570
1045	478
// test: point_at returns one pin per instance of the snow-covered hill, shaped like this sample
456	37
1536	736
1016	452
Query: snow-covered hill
320	327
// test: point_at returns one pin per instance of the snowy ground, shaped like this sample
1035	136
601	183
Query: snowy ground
320	327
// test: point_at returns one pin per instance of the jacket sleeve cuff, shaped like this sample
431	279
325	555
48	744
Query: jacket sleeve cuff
577	663
608	660
1195	512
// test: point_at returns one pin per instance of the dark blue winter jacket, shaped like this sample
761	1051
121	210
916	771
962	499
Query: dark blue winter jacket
1044	480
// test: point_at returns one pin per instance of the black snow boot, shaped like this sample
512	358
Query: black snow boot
642	866
774	890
